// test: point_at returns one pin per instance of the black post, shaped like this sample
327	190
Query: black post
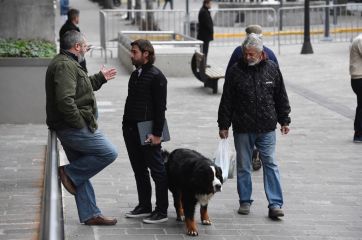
187	22
307	46
326	23
281	16
334	13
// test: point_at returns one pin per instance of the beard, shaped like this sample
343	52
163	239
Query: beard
81	57
253	62
136	63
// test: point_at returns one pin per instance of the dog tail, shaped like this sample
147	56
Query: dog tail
165	154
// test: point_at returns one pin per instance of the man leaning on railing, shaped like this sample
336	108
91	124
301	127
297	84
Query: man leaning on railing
72	112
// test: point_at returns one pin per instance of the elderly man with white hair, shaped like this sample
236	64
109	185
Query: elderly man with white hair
254	100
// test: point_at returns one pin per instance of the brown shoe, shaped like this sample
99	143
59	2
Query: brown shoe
101	220
67	183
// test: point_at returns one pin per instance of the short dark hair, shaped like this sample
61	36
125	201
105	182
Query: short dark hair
73	13
70	38
145	46
206	1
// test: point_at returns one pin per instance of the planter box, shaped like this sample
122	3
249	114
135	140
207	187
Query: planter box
173	51
22	90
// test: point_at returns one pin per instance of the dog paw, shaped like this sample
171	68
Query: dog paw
206	222
180	218
192	233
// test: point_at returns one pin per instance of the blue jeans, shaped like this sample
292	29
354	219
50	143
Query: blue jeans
88	153
244	145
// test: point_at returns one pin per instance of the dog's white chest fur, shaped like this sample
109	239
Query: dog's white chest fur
203	199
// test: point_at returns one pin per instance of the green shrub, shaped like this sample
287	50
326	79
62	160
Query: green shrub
27	48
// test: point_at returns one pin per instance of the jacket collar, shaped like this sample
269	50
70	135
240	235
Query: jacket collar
69	54
146	66
73	57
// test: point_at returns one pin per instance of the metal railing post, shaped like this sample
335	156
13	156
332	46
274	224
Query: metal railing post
52	223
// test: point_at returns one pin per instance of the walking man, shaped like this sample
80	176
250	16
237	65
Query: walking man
146	100
170	2
235	57
254	99
71	110
355	69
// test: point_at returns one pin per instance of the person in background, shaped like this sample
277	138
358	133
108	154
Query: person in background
238	51
355	70
69	25
64	8
206	27
253	101
168	1
71	111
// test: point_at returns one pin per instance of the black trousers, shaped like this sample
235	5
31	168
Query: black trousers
143	158
205	49
357	88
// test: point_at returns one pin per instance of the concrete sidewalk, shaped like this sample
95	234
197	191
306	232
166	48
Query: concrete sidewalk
320	166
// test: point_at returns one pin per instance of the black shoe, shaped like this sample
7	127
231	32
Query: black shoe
156	217
256	162
139	212
275	213
357	138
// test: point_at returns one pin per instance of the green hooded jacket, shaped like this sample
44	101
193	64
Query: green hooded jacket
70	101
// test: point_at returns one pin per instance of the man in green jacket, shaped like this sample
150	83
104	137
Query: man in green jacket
72	112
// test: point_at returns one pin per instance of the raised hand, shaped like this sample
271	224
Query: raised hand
109	73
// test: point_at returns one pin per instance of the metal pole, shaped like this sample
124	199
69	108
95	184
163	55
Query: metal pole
52	225
281	16
326	23
187	20
334	13
307	46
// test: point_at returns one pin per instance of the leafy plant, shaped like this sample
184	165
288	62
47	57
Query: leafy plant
26	48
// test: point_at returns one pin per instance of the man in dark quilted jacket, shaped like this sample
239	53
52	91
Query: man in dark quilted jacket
254	100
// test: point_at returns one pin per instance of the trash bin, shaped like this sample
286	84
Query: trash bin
194	27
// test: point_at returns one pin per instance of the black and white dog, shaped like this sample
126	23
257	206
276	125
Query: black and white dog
192	178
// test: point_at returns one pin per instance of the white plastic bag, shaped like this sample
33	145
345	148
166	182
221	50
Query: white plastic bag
222	158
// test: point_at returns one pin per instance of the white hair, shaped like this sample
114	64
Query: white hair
253	40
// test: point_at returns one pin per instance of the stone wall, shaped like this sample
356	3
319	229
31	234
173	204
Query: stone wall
22	90
27	19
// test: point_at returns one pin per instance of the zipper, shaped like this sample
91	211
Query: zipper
146	112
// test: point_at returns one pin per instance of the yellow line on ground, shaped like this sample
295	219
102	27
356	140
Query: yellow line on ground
284	33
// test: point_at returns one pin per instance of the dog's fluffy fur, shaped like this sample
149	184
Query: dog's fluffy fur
192	178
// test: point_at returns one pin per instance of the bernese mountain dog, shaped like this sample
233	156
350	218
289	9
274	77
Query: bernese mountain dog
192	179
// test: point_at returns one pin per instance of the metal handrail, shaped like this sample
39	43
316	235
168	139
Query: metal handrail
52	223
